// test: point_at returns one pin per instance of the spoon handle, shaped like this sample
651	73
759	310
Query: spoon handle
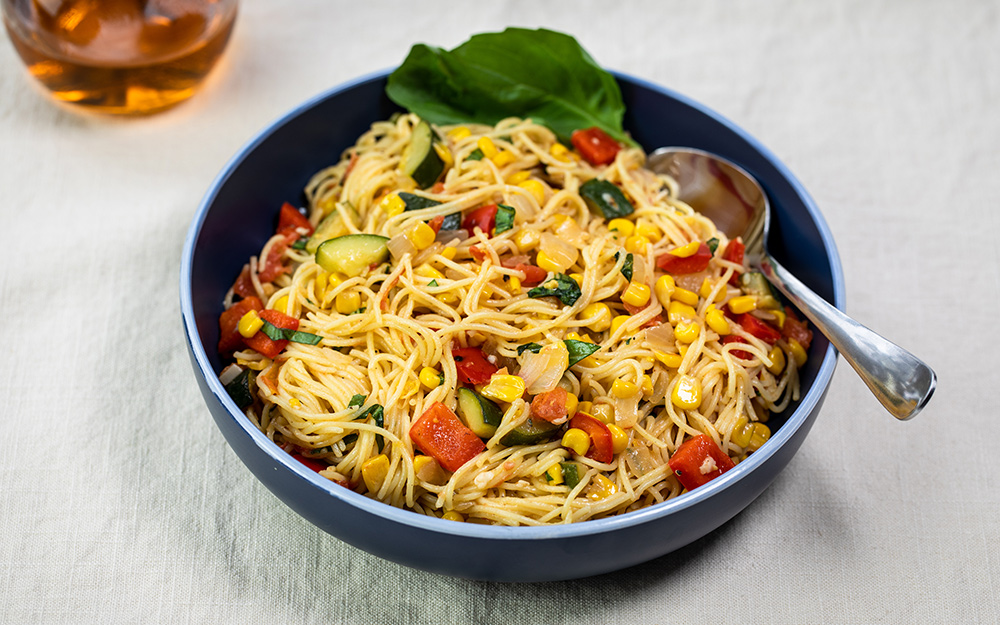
898	379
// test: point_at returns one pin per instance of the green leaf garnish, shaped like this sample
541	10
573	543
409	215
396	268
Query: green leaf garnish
432	283
300	244
534	348
504	219
475	155
357	401
578	350
713	244
561	286
541	74
627	266
605	198
275	333
415	202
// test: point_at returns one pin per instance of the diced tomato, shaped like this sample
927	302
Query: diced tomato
532	274
595	145
436	223
699	461
264	344
472	366
678	265
244	285
230	338
794	328
313	464
739	353
290	220
273	267
601	443
350	165
634	310
761	329
477	253
734	254
483	218
551	405
438	187
439	434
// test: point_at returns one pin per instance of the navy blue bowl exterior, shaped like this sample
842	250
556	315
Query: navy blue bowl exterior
239	213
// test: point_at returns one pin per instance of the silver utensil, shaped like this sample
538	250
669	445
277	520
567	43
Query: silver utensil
735	202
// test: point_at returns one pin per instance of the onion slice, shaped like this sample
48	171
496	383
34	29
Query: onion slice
542	371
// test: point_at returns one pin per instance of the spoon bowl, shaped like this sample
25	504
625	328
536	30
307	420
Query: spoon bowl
732	198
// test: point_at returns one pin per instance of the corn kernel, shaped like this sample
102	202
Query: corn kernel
448	297
678	312
577	277
685	297
249	324
536	188
671	361
514	284
779	317
449	252
542	260
647	384
444	154
597	316
421	235
636	244
526	239
487	147
281	305
686	250
451	515
347	302
618	321
585	406
604	413
687	332
683	349
393	205
576	440
686	393
555	476
504	157
637	294
458	133
333	281
430	377
572	336
426	271
374	471
742	432
706	290
504	387
601	488
743	304
761	433
798	352
645	229
717	321
664	289
518	177
623	389
619	439
572	402
777	358
560	151
625	227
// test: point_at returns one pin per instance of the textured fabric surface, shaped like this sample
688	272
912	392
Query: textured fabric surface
121	503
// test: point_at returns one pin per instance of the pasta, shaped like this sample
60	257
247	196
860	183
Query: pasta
505	278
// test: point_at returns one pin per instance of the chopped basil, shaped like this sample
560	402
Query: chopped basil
627	266
300	244
561	286
415	202
275	333
605	198
504	219
475	155
534	348
357	401
377	414
239	389
432	283
578	350
713	244
452	221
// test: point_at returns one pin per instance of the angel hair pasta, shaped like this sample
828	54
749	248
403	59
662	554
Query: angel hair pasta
483	324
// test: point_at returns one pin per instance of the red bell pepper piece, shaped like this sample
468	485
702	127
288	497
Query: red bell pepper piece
230	338
739	353
439	434
484	218
477	253
601	443
436	223
472	366
263	343
532	274
550	405
244	285
273	267
758	328
315	465
698	461
677	265
794	328
595	145
734	254
290	220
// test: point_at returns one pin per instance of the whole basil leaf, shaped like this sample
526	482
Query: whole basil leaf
578	350
541	74
561	286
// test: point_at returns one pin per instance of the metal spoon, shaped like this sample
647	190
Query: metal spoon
736	203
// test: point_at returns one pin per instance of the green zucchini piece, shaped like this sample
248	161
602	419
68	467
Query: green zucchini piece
330	227
420	160
352	253
452	221
415	202
570	473
605	198
479	414
240	389
754	283
530	432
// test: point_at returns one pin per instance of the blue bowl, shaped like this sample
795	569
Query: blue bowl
237	216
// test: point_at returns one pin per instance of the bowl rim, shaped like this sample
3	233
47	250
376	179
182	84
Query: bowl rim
730	479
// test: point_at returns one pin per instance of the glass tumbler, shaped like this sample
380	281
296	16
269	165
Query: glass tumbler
124	57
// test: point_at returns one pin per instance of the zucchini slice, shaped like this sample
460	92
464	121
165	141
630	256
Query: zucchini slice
479	414
420	160
351	254
755	283
530	432
331	227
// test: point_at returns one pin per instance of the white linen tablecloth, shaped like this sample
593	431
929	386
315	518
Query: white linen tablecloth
121	503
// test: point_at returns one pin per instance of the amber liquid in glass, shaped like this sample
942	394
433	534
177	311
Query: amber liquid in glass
128	57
